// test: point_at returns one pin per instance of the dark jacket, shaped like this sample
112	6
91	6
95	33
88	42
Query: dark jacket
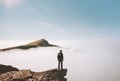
60	56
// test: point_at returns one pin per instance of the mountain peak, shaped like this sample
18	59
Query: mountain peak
34	44
41	43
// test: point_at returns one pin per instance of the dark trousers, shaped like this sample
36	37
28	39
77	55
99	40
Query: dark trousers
60	64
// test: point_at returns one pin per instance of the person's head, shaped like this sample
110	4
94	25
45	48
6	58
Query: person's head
60	51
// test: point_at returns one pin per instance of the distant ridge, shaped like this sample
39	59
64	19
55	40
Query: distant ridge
38	43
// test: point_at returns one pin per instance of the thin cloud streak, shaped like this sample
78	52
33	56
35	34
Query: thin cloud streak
29	9
53	26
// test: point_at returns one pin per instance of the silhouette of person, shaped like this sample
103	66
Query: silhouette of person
60	60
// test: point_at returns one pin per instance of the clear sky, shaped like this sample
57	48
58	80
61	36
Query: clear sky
60	19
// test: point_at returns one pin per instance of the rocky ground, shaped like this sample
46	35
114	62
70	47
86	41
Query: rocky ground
28	75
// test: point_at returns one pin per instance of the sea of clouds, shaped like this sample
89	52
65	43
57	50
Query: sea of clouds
86	60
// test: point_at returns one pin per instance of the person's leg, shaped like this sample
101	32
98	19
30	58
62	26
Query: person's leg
61	64
58	64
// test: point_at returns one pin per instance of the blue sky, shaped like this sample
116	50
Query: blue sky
60	19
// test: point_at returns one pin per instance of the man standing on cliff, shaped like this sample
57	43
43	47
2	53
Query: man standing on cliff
60	59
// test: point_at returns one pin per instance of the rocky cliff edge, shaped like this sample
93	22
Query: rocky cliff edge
28	75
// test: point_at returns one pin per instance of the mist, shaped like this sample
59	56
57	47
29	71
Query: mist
85	60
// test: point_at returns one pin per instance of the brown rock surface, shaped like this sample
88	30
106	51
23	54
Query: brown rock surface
27	75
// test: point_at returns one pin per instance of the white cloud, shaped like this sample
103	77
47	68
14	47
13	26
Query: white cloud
48	24
44	24
30	10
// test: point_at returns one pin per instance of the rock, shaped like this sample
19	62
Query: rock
22	74
5	68
51	75
27	75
